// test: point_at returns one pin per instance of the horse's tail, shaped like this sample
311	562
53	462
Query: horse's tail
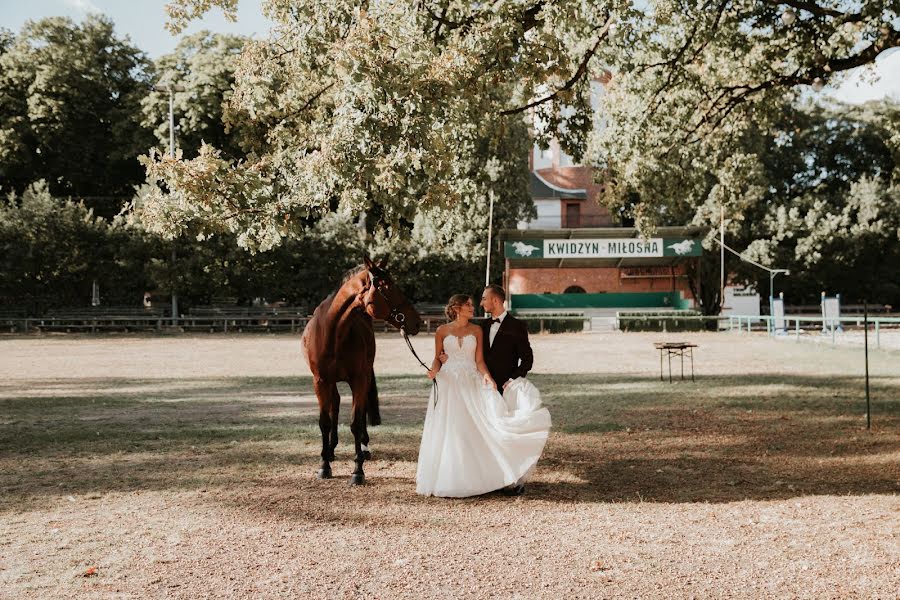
372	405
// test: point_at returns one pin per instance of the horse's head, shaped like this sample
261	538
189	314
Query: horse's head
384	300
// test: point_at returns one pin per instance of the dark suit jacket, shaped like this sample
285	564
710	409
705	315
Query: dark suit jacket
510	356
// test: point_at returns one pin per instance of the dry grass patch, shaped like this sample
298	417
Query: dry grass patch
760	480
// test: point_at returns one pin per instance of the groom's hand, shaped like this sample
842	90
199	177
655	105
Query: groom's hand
443	358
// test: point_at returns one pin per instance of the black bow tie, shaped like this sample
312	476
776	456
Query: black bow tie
494	321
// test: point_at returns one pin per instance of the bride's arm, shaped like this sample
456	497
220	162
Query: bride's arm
438	350
479	359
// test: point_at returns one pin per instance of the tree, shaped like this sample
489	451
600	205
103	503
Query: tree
824	206
69	109
701	77
831	209
52	250
300	271
368	106
384	108
204	65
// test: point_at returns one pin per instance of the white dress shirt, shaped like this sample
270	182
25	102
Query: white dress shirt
495	327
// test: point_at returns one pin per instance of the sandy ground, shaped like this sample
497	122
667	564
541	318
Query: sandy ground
886	339
247	355
757	481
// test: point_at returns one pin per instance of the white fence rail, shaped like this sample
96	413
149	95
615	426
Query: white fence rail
788	325
797	325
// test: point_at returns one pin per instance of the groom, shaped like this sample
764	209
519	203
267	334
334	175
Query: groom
507	352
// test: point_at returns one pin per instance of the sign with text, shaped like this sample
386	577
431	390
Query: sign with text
603	248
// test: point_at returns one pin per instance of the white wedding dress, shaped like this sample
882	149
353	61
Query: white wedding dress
475	440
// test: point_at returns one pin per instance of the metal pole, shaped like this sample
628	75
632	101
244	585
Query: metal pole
866	345
771	293
172	155
487	270
722	259
171	122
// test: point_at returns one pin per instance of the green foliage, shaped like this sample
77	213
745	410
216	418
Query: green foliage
830	211
203	64
554	323
301	271
700	78
52	250
663	321
388	108
69	109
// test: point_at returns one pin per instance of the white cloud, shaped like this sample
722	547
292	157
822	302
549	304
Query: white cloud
83	5
874	82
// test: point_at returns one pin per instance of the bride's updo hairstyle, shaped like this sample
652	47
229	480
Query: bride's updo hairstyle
452	308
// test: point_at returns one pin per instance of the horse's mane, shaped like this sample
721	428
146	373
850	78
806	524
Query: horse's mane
348	275
351	274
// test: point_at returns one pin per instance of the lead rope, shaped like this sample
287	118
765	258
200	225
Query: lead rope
413	350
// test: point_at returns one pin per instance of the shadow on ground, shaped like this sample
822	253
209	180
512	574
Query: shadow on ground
615	439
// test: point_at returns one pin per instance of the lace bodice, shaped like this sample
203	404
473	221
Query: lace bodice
460	351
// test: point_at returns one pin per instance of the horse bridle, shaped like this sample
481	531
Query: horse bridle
397	315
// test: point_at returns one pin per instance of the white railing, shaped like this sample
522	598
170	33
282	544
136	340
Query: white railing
796	324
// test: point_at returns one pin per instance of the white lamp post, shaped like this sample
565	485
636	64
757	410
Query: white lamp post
487	269
772	274
168	87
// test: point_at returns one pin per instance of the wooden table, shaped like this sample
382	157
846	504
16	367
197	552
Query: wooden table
677	349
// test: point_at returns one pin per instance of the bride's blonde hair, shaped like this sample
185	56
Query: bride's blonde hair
456	300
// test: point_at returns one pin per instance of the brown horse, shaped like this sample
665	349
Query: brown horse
339	345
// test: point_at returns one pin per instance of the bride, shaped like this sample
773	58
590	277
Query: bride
473	443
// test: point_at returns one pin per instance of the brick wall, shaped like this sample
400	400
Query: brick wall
592	280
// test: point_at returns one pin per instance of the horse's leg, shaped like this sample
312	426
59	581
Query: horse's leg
365	444
372	412
360	387
327	395
335	412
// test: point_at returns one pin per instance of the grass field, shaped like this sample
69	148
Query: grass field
184	467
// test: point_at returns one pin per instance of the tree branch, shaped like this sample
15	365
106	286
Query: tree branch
820	11
579	73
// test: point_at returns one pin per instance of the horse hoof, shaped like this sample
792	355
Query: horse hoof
324	474
357	479
367	455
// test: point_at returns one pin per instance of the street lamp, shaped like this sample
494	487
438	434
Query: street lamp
772	274
171	88
487	269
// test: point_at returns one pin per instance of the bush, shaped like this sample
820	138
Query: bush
661	321
554	323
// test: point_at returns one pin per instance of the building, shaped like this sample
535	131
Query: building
576	256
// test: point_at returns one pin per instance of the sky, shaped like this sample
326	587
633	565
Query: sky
144	22
141	20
